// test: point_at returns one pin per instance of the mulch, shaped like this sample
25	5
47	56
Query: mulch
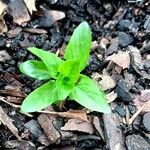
119	62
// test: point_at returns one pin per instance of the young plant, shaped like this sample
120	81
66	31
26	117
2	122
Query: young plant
63	75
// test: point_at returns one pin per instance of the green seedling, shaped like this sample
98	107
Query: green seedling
64	77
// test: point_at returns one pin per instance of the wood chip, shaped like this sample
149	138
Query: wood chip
18	11
137	62
3	7
35	31
73	114
7	121
69	147
14	93
115	138
122	59
77	125
140	100
20	145
3	27
30	5
14	32
46	122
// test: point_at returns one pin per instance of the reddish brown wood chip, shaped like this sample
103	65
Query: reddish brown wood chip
46	122
77	125
14	32
7	121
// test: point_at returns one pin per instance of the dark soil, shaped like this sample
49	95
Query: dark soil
109	20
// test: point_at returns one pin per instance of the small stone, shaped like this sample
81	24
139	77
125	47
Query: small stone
113	46
2	41
136	142
146	121
125	39
34	128
120	110
51	1
122	91
124	24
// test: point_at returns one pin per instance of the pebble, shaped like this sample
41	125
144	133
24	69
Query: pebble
125	39
136	142
146	121
124	24
122	91
120	110
2	41
34	128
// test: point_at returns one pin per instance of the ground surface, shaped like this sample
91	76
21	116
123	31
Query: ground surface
119	61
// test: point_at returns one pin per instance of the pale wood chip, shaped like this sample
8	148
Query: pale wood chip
30	5
3	7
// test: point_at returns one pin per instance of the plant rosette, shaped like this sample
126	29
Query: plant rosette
63	76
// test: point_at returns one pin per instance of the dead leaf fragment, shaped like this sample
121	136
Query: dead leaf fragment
122	59
77	125
107	82
3	7
7	121
18	11
30	5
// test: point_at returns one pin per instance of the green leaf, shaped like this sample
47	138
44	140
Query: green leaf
40	98
50	60
88	94
44	96
79	45
35	69
64	89
70	69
